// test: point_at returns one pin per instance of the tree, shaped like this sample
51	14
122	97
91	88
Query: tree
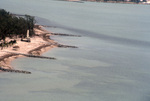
11	25
30	22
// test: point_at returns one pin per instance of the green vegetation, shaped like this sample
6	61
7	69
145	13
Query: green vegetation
7	44
11	25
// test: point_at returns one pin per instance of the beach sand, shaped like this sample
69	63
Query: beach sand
39	44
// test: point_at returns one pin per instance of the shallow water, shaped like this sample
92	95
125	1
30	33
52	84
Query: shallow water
111	63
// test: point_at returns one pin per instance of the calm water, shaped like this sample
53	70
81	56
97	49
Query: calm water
111	63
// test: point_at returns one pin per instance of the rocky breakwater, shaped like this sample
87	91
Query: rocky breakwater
15	71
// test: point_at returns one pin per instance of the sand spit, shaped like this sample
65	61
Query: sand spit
39	43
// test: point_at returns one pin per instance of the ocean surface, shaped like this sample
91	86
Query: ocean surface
111	63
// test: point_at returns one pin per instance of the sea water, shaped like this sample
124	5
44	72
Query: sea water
111	62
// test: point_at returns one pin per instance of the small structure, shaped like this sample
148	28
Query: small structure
27	39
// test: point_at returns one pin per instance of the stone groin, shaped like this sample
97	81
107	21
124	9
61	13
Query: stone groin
30	55
48	26
15	71
36	56
61	34
66	46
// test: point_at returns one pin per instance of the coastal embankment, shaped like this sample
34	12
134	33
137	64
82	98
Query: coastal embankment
40	43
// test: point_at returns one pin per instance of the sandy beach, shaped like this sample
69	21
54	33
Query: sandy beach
39	44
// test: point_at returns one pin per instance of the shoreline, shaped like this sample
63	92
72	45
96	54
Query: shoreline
39	44
121	2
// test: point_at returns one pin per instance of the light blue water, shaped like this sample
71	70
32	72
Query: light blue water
111	63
